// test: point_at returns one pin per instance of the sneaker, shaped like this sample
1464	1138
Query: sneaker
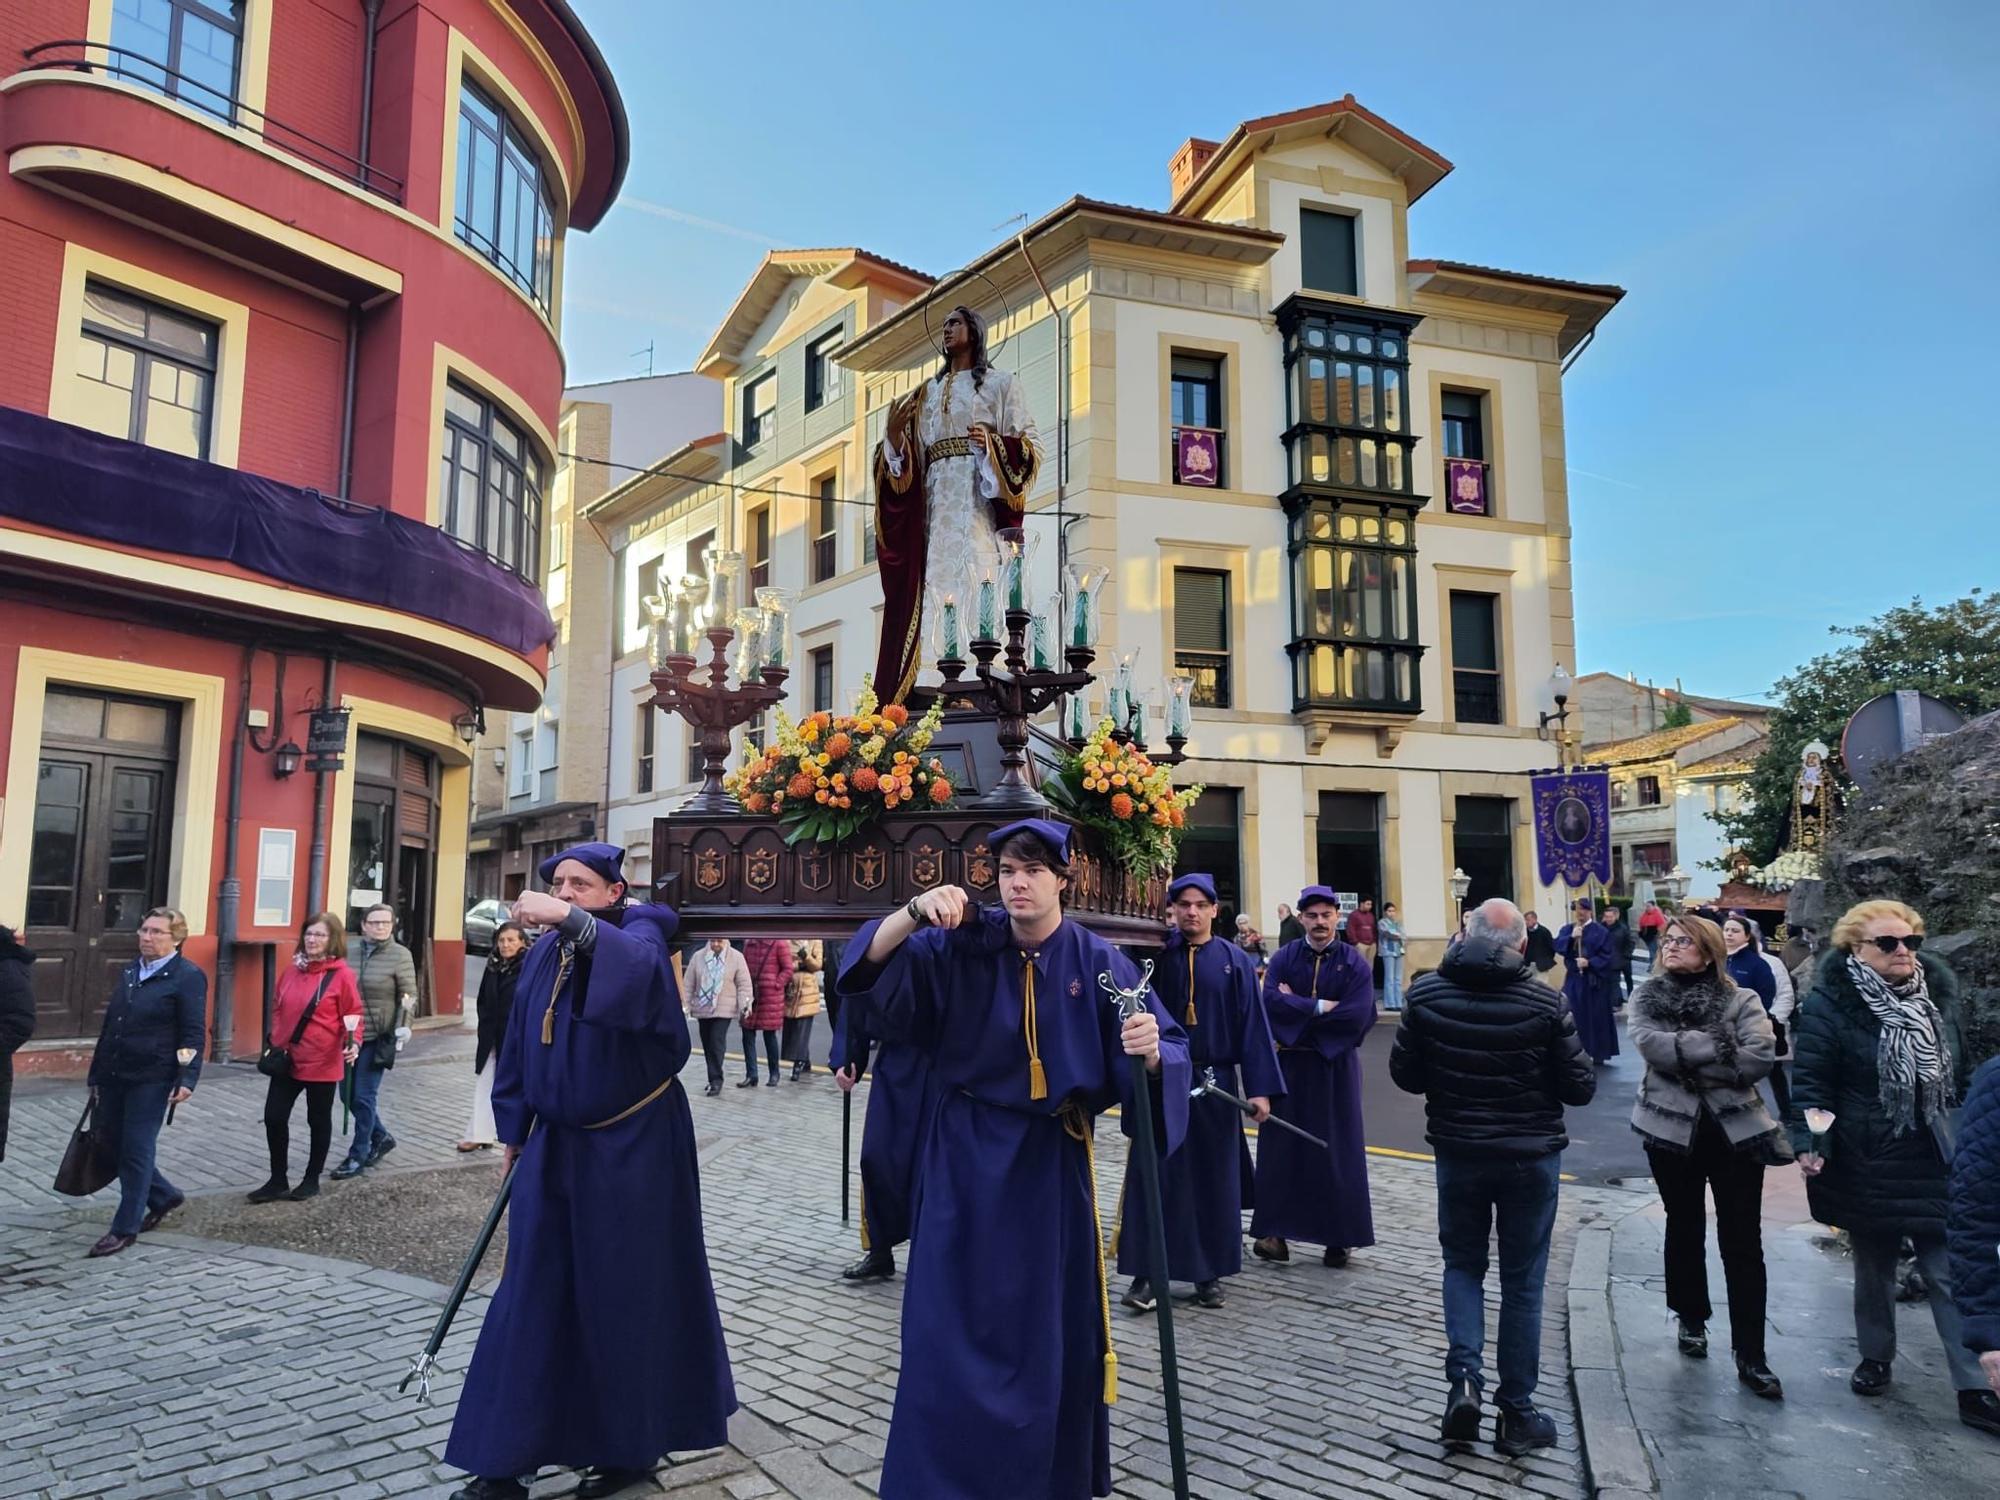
1757	1375
1870	1378
1980	1409
347	1169
308	1188
1208	1294
1139	1295
1461	1414
1694	1339
1519	1432
388	1145
271	1191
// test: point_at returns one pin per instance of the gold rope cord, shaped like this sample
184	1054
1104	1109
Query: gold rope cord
1077	1124
563	965
1190	1004
627	1113
1038	1078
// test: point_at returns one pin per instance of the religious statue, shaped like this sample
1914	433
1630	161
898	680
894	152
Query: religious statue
957	459
1812	802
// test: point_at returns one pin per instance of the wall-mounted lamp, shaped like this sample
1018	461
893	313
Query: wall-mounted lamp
1559	690
470	725
285	759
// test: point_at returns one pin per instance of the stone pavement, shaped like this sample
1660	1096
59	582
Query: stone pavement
193	1367
1704	1435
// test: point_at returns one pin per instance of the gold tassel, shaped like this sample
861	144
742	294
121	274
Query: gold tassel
1110	1377
1190	1013
1038	1078
555	993
549	1023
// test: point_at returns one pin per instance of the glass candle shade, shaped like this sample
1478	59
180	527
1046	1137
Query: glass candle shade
1086	582
1017	556
776	626
1180	705
1042	636
748	656
725	569
947	639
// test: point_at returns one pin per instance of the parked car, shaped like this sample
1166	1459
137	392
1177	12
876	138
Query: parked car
480	923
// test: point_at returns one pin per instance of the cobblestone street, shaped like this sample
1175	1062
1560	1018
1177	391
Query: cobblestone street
193	1366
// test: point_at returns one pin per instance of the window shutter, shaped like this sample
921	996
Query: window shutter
1326	252
1201	610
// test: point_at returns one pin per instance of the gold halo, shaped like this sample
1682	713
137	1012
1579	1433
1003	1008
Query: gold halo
958	279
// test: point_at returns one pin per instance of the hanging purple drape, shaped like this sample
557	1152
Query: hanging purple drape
73	480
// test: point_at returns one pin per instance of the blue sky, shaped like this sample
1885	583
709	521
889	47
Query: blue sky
1787	425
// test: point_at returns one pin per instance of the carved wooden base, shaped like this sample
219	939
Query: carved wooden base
735	877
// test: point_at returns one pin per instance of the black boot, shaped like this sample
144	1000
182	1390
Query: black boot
1694	1339
1980	1409
1139	1295
1870	1378
748	1083
1519	1432
491	1489
1461	1414
308	1188
271	1191
603	1480
876	1265
1757	1375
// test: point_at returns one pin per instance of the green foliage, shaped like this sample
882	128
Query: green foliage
1677	716
1951	651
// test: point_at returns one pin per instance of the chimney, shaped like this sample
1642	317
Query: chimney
1194	154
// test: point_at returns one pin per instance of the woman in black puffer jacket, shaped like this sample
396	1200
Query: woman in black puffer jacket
1879	1066
17	1019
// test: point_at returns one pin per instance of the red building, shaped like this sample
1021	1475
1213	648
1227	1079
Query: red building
279	378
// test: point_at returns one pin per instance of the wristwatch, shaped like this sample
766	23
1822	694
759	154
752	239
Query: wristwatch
916	913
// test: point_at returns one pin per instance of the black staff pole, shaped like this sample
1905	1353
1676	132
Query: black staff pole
1131	1003
846	1102
423	1365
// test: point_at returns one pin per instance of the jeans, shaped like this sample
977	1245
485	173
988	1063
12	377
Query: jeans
278	1103
1875	1303
714	1044
131	1114
750	1050
1521	1195
1392	981
370	1134
1737	1181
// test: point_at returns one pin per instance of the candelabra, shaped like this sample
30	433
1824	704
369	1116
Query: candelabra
711	703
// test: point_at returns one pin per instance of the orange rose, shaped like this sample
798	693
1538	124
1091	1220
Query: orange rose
757	802
838	744
822	795
896	714
940	791
1121	805
800	785
890	799
866	780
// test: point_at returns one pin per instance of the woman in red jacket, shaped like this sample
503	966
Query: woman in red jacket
771	968
317	1017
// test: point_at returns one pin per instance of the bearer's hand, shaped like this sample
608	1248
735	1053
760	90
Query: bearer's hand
944	905
1285	989
509	1155
1582	963
1140	1036
1990	1363
539	909
350	1054
1260	1109
847	1078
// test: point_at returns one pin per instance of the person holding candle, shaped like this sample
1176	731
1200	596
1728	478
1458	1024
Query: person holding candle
317	992
1707	1042
148	1059
1877	1047
386	974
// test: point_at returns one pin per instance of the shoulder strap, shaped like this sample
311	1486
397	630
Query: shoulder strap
311	1006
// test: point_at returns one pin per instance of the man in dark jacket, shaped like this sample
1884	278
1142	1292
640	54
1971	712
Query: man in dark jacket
1973	1231
1627	940
1496	1056
1541	948
17	1018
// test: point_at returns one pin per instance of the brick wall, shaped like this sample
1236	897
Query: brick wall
30	286
315	85
291	403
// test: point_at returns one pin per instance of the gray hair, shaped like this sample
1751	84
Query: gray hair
1500	920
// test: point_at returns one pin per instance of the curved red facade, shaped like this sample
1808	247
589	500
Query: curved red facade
209	247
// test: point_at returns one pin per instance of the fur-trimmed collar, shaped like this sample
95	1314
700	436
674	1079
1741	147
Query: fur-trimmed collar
1685	1004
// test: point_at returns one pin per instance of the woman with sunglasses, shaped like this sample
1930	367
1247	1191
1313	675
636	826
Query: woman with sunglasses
1707	1042
1877	1049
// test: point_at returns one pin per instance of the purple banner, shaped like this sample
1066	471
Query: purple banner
1197	457
1573	827
1465	486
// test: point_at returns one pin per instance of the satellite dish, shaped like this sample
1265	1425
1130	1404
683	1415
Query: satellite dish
1892	725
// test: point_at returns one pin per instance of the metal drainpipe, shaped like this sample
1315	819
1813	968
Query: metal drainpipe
347	401
229	895
372	9
322	810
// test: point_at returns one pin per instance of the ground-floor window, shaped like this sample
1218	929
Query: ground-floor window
1350	844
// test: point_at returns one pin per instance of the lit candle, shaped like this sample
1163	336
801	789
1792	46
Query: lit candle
948	629
1079	719
1180	705
1085	580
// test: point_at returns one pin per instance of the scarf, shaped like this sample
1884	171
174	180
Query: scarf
707	980
1689	1002
1912	1058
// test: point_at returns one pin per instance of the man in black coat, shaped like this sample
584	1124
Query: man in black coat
1541	948
1496	1056
17	1018
1627	940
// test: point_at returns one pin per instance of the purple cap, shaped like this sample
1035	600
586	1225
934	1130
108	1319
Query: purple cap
606	860
1192	882
1055	835
1314	893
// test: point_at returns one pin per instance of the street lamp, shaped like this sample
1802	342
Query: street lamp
1559	686
285	759
1461	883
1674	885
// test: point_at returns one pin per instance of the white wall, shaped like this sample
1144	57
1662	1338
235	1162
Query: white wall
652	415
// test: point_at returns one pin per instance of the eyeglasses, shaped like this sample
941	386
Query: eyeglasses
1677	940
1890	944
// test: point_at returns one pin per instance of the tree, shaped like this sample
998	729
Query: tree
1951	652
1677	716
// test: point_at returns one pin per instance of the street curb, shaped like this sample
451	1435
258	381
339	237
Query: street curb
1614	1457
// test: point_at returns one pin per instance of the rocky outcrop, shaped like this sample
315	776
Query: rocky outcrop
1929	834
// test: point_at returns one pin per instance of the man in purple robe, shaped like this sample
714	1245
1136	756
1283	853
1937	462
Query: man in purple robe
1209	985
1008	1371
1589	952
602	1349
1321	1000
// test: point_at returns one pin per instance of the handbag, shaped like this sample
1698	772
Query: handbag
90	1161
275	1061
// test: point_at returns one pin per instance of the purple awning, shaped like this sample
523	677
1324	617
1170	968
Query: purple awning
70	479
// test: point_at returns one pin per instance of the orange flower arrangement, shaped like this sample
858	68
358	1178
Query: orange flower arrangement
1118	791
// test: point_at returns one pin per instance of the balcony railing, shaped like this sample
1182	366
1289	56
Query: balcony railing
1475	696
1468	486
1210	671
129	66
1198	456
